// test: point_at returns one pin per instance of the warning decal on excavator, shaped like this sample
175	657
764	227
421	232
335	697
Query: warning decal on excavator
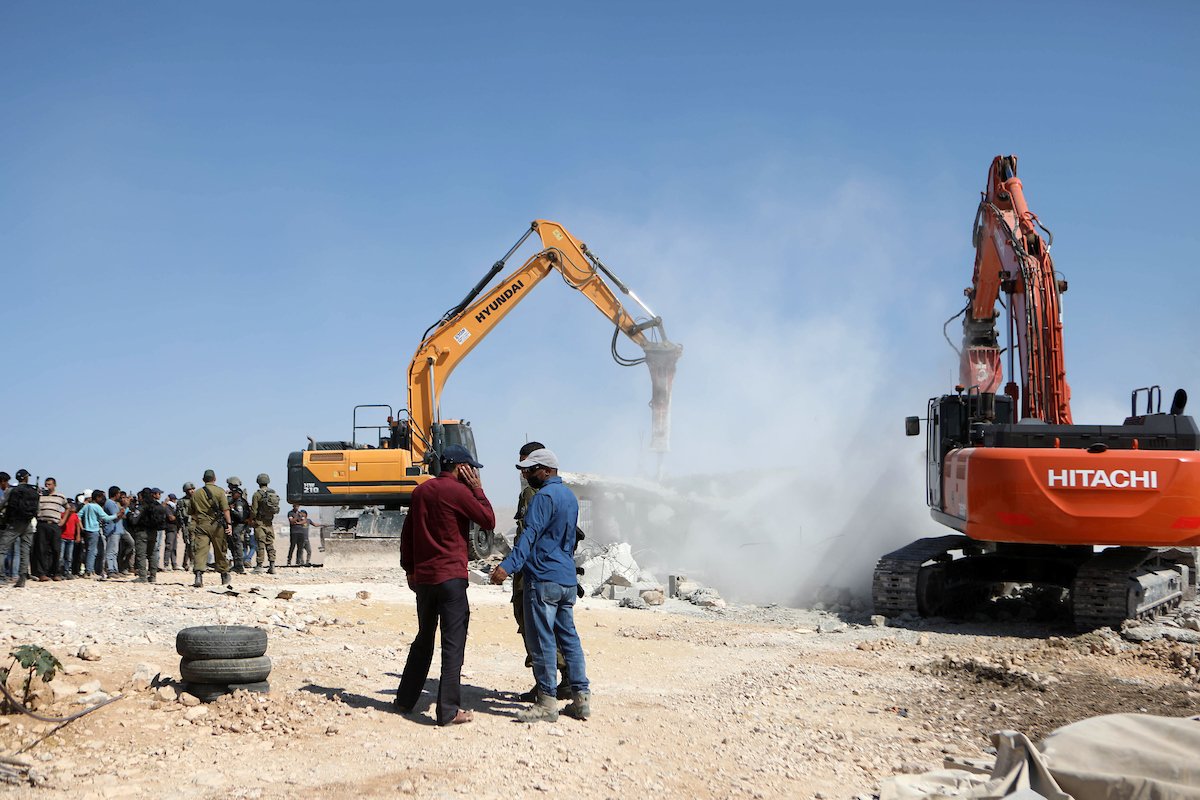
462	336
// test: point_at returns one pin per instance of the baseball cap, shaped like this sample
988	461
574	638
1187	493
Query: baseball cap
22	473
544	458
209	475
172	497
457	454
156	490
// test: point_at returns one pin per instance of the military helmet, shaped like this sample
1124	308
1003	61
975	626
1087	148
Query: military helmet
189	485
263	479
234	481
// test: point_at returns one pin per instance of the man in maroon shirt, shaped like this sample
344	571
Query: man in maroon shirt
433	553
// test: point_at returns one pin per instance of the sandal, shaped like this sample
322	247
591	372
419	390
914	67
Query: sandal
462	717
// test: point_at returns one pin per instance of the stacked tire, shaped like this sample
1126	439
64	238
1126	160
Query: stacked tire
220	659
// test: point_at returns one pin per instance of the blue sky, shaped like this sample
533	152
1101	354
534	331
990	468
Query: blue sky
224	224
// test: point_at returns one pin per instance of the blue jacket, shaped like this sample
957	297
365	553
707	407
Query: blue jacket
544	550
91	516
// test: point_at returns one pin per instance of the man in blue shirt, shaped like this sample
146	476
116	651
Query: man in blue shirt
544	556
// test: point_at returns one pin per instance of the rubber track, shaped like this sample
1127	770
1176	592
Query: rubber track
894	584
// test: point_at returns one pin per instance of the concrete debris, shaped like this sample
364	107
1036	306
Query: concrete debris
189	700
195	712
478	577
633	602
653	597
92	699
707	597
89	687
144	676
88	652
168	694
612	564
879	620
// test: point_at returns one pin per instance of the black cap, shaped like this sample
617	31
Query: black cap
22	473
457	454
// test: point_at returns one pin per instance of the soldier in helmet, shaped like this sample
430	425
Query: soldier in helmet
263	509
210	525
239	514
183	512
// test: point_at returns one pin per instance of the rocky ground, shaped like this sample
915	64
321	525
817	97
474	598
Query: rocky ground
689	701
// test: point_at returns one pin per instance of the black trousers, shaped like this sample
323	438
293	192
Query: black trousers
447	603
45	549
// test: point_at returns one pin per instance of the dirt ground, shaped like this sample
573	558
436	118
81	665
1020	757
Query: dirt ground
687	702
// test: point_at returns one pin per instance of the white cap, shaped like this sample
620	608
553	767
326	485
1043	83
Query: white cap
543	457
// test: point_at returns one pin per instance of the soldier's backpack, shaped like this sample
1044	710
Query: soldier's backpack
268	503
22	502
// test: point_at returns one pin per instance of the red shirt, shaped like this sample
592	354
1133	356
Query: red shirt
70	531
433	543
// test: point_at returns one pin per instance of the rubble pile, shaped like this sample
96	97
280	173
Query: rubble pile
1006	670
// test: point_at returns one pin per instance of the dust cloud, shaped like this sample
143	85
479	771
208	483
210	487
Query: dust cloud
789	469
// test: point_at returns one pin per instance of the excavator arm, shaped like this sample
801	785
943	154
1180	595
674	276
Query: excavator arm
463	327
1011	256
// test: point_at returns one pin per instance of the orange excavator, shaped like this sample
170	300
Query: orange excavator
1034	496
371	481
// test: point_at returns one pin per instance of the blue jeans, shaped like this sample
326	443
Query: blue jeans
91	541
550	621
66	552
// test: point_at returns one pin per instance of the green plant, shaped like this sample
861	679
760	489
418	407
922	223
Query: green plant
36	661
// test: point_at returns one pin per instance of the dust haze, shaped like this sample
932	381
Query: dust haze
789	469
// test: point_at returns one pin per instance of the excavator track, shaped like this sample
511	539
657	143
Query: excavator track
1126	583
897	585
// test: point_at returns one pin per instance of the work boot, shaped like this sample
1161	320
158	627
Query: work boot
563	692
258	570
225	579
199	580
240	569
139	579
529	697
271	569
20	584
580	705
151	578
544	710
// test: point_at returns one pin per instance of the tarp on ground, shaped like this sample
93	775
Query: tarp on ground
1113	757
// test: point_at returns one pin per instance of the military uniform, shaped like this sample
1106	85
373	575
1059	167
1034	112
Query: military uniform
264	529
239	514
183	519
208	528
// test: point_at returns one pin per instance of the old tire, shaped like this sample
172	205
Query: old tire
207	692
479	543
221	641
224	671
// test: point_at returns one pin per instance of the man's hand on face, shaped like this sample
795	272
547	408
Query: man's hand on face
498	575
468	475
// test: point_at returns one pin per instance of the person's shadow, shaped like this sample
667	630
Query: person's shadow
474	698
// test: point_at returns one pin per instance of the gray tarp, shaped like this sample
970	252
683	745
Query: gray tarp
1114	757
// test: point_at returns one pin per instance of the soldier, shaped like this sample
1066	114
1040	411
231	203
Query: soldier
239	513
20	511
151	517
183	510
210	524
263	508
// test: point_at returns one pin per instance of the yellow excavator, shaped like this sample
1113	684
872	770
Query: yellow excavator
371	480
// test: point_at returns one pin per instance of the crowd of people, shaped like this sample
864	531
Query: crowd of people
46	536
